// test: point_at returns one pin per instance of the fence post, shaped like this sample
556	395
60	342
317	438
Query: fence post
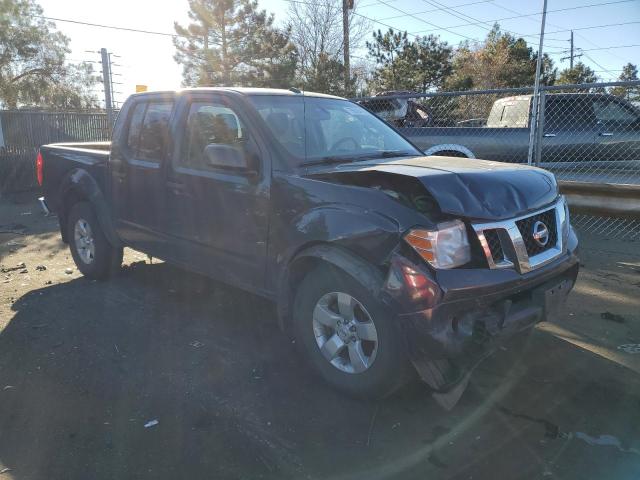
106	81
540	127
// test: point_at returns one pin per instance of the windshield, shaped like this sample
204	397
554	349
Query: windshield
315	130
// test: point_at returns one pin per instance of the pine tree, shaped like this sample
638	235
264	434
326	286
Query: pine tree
629	73
232	42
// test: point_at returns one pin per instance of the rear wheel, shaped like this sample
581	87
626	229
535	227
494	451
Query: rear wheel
348	335
92	253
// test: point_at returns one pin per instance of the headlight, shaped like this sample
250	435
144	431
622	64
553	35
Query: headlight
445	247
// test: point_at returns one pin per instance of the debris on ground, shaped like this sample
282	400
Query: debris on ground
612	317
68	271
19	266
41	268
151	423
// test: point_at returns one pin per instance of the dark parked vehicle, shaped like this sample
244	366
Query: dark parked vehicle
578	127
378	257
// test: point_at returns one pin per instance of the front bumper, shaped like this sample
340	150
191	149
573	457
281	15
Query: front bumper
477	309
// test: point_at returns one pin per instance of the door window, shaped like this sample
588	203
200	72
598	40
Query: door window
149	130
207	124
570	113
609	111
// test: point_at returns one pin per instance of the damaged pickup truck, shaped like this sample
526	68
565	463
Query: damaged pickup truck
382	262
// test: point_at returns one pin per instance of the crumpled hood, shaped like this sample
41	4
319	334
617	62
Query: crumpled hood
472	188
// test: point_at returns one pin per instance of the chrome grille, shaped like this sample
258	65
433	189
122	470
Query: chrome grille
526	226
493	240
511	244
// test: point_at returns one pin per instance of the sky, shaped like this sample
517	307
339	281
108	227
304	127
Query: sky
148	59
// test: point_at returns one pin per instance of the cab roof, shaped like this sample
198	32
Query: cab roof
247	91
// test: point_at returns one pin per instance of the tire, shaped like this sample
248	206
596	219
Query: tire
386	367
92	253
450	153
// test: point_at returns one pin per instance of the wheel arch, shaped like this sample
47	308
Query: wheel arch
449	147
310	257
79	185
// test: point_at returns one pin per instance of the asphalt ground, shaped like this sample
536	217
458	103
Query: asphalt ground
84	366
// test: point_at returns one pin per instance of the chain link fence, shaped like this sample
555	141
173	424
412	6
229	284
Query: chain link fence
23	132
584	133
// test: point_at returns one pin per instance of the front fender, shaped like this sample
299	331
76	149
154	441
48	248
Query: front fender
361	230
352	239
79	185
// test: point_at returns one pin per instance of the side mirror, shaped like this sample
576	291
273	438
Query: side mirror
226	157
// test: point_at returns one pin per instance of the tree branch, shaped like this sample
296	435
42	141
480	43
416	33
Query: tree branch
27	73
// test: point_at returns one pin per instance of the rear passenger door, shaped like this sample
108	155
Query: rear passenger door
138	176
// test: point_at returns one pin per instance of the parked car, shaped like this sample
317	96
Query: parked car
377	257
578	127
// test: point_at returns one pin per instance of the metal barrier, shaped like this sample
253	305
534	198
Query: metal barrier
23	132
588	133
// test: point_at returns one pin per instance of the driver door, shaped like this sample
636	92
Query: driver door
218	217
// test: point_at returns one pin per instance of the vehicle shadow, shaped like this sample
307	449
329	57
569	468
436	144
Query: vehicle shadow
84	366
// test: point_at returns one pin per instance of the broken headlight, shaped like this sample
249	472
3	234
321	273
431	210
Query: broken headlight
445	247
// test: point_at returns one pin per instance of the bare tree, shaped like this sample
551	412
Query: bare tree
316	31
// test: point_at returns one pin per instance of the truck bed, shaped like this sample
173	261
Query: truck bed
59	159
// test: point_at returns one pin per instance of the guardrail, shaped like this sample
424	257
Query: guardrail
609	199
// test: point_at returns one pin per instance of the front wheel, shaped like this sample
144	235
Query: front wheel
348	335
92	253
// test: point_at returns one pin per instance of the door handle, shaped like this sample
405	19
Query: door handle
549	135
606	134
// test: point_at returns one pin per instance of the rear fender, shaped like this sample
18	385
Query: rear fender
77	186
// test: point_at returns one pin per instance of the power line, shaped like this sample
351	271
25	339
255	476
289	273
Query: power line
609	48
558	26
429	11
596	26
113	27
425	21
533	14
598	65
465	17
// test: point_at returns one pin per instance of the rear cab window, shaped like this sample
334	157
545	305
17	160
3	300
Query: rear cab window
148	133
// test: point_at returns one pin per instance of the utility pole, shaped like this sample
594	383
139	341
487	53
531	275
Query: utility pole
346	6
571	54
108	87
536	87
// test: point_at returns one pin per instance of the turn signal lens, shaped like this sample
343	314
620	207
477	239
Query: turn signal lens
445	247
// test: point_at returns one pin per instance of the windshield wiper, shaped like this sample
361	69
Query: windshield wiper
395	153
329	160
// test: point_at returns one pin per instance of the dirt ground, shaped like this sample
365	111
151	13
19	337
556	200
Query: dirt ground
84	366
